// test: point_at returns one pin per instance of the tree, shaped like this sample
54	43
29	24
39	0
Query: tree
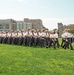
71	30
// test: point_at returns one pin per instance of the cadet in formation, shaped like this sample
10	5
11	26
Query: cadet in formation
43	38
67	39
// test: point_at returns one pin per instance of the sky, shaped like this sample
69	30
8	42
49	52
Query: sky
50	12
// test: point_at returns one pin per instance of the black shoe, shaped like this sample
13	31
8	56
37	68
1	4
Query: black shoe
72	49
46	46
62	46
65	48
54	47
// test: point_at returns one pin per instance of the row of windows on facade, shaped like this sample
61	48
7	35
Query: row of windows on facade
4	26
16	27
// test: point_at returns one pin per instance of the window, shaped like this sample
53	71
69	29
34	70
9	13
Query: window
6	26
1	26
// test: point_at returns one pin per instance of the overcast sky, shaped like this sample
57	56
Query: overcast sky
50	11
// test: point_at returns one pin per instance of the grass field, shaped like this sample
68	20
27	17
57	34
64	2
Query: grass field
21	60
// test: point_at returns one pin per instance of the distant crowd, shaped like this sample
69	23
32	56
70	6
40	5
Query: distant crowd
43	38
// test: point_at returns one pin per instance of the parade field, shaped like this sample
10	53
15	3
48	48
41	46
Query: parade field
21	60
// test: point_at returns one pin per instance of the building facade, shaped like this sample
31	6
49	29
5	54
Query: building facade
7	25
36	23
10	24
21	25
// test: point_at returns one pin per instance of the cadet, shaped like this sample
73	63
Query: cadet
0	37
47	38
56	41
68	37
25	38
52	39
3	37
20	37
42	38
8	36
63	39
29	36
13	38
35	37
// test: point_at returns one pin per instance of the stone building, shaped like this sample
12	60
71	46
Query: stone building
10	24
61	27
36	23
7	25
23	25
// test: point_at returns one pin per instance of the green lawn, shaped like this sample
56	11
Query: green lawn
21	60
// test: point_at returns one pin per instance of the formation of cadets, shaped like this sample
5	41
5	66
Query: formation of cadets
43	38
